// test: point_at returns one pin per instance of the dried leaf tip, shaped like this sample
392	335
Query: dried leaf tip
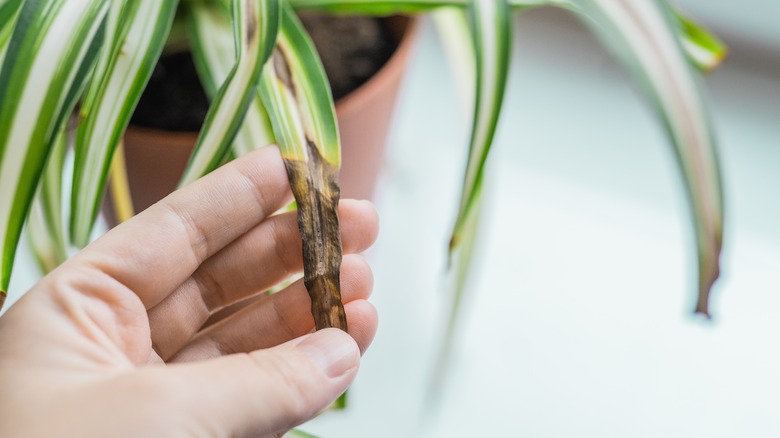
314	184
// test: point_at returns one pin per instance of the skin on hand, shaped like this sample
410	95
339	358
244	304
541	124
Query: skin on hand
115	342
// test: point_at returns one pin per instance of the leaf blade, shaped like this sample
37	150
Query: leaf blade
256	24
212	38
297	96
54	44
45	229
491	31
643	37
116	88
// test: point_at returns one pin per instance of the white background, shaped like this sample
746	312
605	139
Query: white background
579	323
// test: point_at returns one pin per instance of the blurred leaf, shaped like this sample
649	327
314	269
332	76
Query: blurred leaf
701	46
255	27
45	230
123	70
299	434
213	53
120	186
491	30
643	35
488	54
9	12
52	49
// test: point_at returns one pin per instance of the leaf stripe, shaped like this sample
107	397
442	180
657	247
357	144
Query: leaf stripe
115	93
229	107
52	48
213	52
492	37
643	36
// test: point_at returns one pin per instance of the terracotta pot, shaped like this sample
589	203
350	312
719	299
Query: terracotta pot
156	159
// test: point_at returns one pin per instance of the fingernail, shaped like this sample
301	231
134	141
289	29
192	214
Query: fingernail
332	350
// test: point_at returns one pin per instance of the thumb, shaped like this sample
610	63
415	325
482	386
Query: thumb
267	391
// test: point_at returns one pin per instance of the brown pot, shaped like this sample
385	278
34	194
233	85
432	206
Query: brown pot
155	159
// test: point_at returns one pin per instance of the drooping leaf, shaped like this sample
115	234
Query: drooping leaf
52	49
213	52
298	99
452	26
255	28
124	69
643	35
491	30
488	54
701	46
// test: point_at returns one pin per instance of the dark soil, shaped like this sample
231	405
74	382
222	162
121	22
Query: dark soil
352	50
174	98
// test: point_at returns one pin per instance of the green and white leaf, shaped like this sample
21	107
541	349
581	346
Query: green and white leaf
705	49
452	26
491	30
120	77
45	230
214	53
701	46
299	101
306	112
643	35
52	49
9	12
484	61
255	27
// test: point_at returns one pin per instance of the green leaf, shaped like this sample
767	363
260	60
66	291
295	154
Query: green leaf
9	12
705	49
45	231
643	35
212	50
52	49
119	80
296	79
255	26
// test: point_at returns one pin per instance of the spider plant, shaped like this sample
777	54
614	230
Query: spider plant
267	84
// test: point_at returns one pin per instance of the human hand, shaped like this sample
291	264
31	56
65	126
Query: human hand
113	342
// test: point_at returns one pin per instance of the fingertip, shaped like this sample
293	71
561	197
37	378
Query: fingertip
360	224
363	321
333	351
357	278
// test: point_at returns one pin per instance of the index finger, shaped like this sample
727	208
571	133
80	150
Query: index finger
161	247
